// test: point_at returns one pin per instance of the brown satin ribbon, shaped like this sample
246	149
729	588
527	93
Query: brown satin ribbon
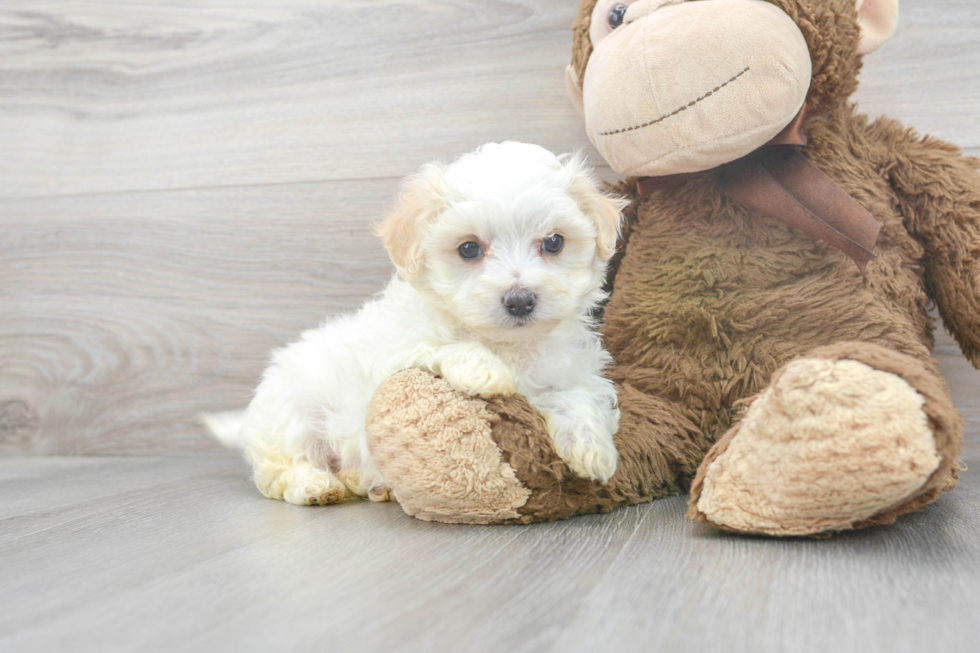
778	181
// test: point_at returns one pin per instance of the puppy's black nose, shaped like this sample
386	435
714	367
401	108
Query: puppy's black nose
519	303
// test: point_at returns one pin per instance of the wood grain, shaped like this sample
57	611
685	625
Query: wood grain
163	94
127	315
928	75
115	95
185	185
183	554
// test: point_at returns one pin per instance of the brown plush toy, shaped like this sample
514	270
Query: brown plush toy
769	315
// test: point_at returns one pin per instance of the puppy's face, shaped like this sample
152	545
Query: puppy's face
509	240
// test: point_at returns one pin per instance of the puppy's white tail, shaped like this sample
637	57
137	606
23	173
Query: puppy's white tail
226	427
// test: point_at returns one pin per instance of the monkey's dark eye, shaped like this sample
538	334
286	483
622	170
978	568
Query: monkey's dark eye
553	244
470	250
616	14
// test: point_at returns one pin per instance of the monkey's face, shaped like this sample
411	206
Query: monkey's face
677	86
697	84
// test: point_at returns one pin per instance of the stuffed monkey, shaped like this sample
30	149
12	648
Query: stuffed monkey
768	316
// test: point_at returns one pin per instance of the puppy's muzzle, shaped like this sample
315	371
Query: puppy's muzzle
520	303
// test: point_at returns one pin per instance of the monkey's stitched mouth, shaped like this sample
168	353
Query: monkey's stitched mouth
674	113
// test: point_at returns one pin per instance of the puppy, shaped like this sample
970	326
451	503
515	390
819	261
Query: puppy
500	259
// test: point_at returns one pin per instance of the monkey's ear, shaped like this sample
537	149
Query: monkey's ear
574	92
403	229
878	20
606	212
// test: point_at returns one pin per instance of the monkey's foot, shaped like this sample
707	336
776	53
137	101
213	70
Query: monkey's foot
852	435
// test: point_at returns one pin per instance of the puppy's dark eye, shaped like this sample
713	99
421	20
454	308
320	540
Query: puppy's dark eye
470	250
553	244
616	14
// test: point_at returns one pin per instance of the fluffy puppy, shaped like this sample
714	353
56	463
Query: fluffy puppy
500	260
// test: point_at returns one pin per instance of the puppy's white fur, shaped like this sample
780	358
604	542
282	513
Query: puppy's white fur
304	430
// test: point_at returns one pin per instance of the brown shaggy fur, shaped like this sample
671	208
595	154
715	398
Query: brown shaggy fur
711	299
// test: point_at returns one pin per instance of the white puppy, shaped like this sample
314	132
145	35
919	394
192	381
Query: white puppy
500	260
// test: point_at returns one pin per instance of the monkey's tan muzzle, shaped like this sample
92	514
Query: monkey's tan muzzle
684	87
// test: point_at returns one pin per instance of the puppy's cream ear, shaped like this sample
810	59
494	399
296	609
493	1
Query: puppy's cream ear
878	20
402	230
606	211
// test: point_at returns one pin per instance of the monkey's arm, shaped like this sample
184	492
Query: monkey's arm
939	192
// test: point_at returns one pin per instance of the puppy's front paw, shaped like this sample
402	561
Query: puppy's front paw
478	376
588	451
593	460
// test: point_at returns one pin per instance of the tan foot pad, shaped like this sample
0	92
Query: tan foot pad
831	443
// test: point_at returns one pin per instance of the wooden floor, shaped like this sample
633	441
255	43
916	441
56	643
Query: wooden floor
185	184
180	554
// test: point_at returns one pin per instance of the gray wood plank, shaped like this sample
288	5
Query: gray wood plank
201	562
118	96
164	94
127	315
928	75
909	587
32	501
964	386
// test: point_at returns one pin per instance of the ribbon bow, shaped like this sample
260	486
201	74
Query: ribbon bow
778	181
